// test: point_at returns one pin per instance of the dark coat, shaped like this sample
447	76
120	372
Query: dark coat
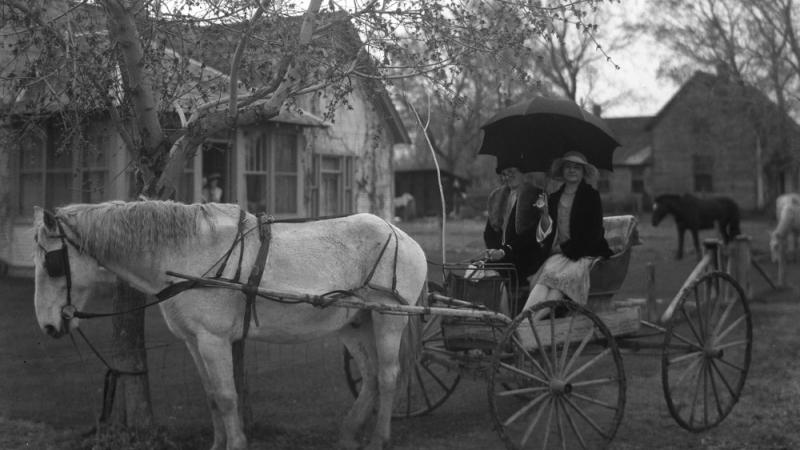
587	235
521	248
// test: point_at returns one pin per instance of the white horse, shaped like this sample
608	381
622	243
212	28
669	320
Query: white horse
787	211
140	241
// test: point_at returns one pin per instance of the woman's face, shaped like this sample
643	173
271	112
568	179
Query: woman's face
573	172
512	177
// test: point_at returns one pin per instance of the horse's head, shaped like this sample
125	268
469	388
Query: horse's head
64	275
659	212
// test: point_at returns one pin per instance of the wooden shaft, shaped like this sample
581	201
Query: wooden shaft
708	258
354	302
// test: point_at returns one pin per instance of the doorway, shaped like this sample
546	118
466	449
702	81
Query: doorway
217	180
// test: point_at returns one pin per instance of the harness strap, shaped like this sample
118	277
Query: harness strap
368	280
254	280
240	238
65	262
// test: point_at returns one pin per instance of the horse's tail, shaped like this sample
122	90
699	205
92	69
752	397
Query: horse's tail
411	343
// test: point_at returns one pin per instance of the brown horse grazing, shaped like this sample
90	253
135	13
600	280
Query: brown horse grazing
694	214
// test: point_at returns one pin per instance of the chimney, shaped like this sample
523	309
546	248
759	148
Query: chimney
597	109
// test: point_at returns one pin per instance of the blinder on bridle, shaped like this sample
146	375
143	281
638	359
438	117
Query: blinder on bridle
56	263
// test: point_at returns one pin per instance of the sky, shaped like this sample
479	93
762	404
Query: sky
638	64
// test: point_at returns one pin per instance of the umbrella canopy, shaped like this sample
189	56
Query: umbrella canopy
531	134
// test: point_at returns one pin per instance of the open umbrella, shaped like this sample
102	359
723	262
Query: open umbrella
531	134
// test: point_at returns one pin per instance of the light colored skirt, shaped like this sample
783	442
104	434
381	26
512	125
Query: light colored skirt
568	276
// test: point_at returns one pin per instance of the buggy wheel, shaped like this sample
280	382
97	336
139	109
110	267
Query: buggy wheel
570	395
431	382
706	352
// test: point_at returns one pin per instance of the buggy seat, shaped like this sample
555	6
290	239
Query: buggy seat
606	275
621	232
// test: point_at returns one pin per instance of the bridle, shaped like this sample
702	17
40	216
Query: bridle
56	264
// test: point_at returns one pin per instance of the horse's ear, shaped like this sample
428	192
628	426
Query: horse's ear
38	216
46	217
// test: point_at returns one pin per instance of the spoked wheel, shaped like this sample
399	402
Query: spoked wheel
706	353
426	387
566	395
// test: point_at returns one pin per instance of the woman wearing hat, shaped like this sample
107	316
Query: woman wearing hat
511	228
575	235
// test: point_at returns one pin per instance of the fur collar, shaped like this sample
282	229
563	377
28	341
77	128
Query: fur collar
527	215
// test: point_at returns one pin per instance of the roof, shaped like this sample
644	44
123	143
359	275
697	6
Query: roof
641	157
205	52
339	41
634	138
718	83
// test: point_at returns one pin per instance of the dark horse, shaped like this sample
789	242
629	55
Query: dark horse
693	214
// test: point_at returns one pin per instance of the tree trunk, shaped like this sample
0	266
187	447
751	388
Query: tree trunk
133	407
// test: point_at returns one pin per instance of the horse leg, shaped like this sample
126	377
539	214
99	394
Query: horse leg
679	254
359	342
217	358
216	418
388	334
696	241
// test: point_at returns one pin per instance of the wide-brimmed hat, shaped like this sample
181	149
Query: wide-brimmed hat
590	172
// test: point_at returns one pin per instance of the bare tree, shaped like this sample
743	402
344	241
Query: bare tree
751	43
132	60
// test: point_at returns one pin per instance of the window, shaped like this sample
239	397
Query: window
271	173
53	178
332	185
702	169
637	180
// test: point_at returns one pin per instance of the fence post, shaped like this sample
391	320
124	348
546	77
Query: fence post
739	262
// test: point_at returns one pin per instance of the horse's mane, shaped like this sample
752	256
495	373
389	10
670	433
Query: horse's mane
115	230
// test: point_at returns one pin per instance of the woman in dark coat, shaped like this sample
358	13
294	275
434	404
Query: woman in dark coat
574	236
511	227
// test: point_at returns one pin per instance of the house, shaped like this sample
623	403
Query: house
719	137
296	164
416	173
626	189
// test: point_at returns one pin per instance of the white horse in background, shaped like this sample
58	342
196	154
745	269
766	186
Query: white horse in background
787	211
361	257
